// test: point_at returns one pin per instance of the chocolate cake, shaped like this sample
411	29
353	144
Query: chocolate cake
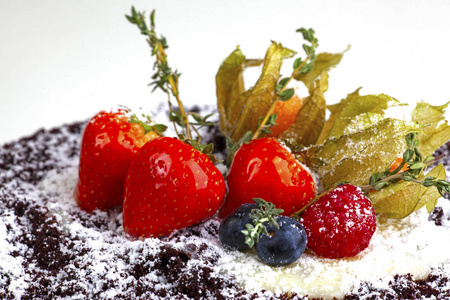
50	249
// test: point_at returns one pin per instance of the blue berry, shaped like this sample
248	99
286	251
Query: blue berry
282	246
230	229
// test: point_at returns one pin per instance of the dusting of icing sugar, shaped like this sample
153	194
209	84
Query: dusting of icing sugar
94	260
409	246
11	264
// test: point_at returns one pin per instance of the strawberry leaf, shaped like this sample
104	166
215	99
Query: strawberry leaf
147	124
234	146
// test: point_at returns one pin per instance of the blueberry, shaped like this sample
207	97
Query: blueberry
282	246
230	229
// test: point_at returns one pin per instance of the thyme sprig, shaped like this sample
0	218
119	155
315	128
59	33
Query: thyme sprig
167	79
300	66
262	216
413	159
164	77
282	93
416	164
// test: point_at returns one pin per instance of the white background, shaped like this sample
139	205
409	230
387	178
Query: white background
62	61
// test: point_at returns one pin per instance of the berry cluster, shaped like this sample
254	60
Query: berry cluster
278	240
165	184
339	224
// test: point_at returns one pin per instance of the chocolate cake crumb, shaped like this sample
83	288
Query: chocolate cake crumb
216	137
405	287
436	215
58	251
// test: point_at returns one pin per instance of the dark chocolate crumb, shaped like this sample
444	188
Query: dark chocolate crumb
59	264
436	215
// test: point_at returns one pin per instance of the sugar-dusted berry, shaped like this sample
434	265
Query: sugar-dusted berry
340	223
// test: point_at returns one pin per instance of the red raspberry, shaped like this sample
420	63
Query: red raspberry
339	224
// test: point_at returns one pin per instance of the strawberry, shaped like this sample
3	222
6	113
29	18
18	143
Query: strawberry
286	114
109	144
169	186
263	168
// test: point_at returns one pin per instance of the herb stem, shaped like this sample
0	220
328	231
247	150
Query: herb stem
180	106
367	188
298	213
172	84
264	121
296	70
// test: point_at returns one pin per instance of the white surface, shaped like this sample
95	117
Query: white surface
62	61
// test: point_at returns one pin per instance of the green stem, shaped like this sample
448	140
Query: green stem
367	188
298	213
264	121
173	86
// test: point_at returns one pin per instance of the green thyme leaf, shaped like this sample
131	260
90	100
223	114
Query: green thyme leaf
308	35
286	94
264	215
281	84
297	63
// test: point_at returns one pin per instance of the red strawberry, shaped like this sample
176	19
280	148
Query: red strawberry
170	186
109	144
263	168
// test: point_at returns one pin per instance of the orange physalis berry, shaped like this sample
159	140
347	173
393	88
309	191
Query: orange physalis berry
287	112
397	163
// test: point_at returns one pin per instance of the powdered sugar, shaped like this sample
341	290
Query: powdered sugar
409	246
51	249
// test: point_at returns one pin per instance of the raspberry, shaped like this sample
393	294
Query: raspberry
339	224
